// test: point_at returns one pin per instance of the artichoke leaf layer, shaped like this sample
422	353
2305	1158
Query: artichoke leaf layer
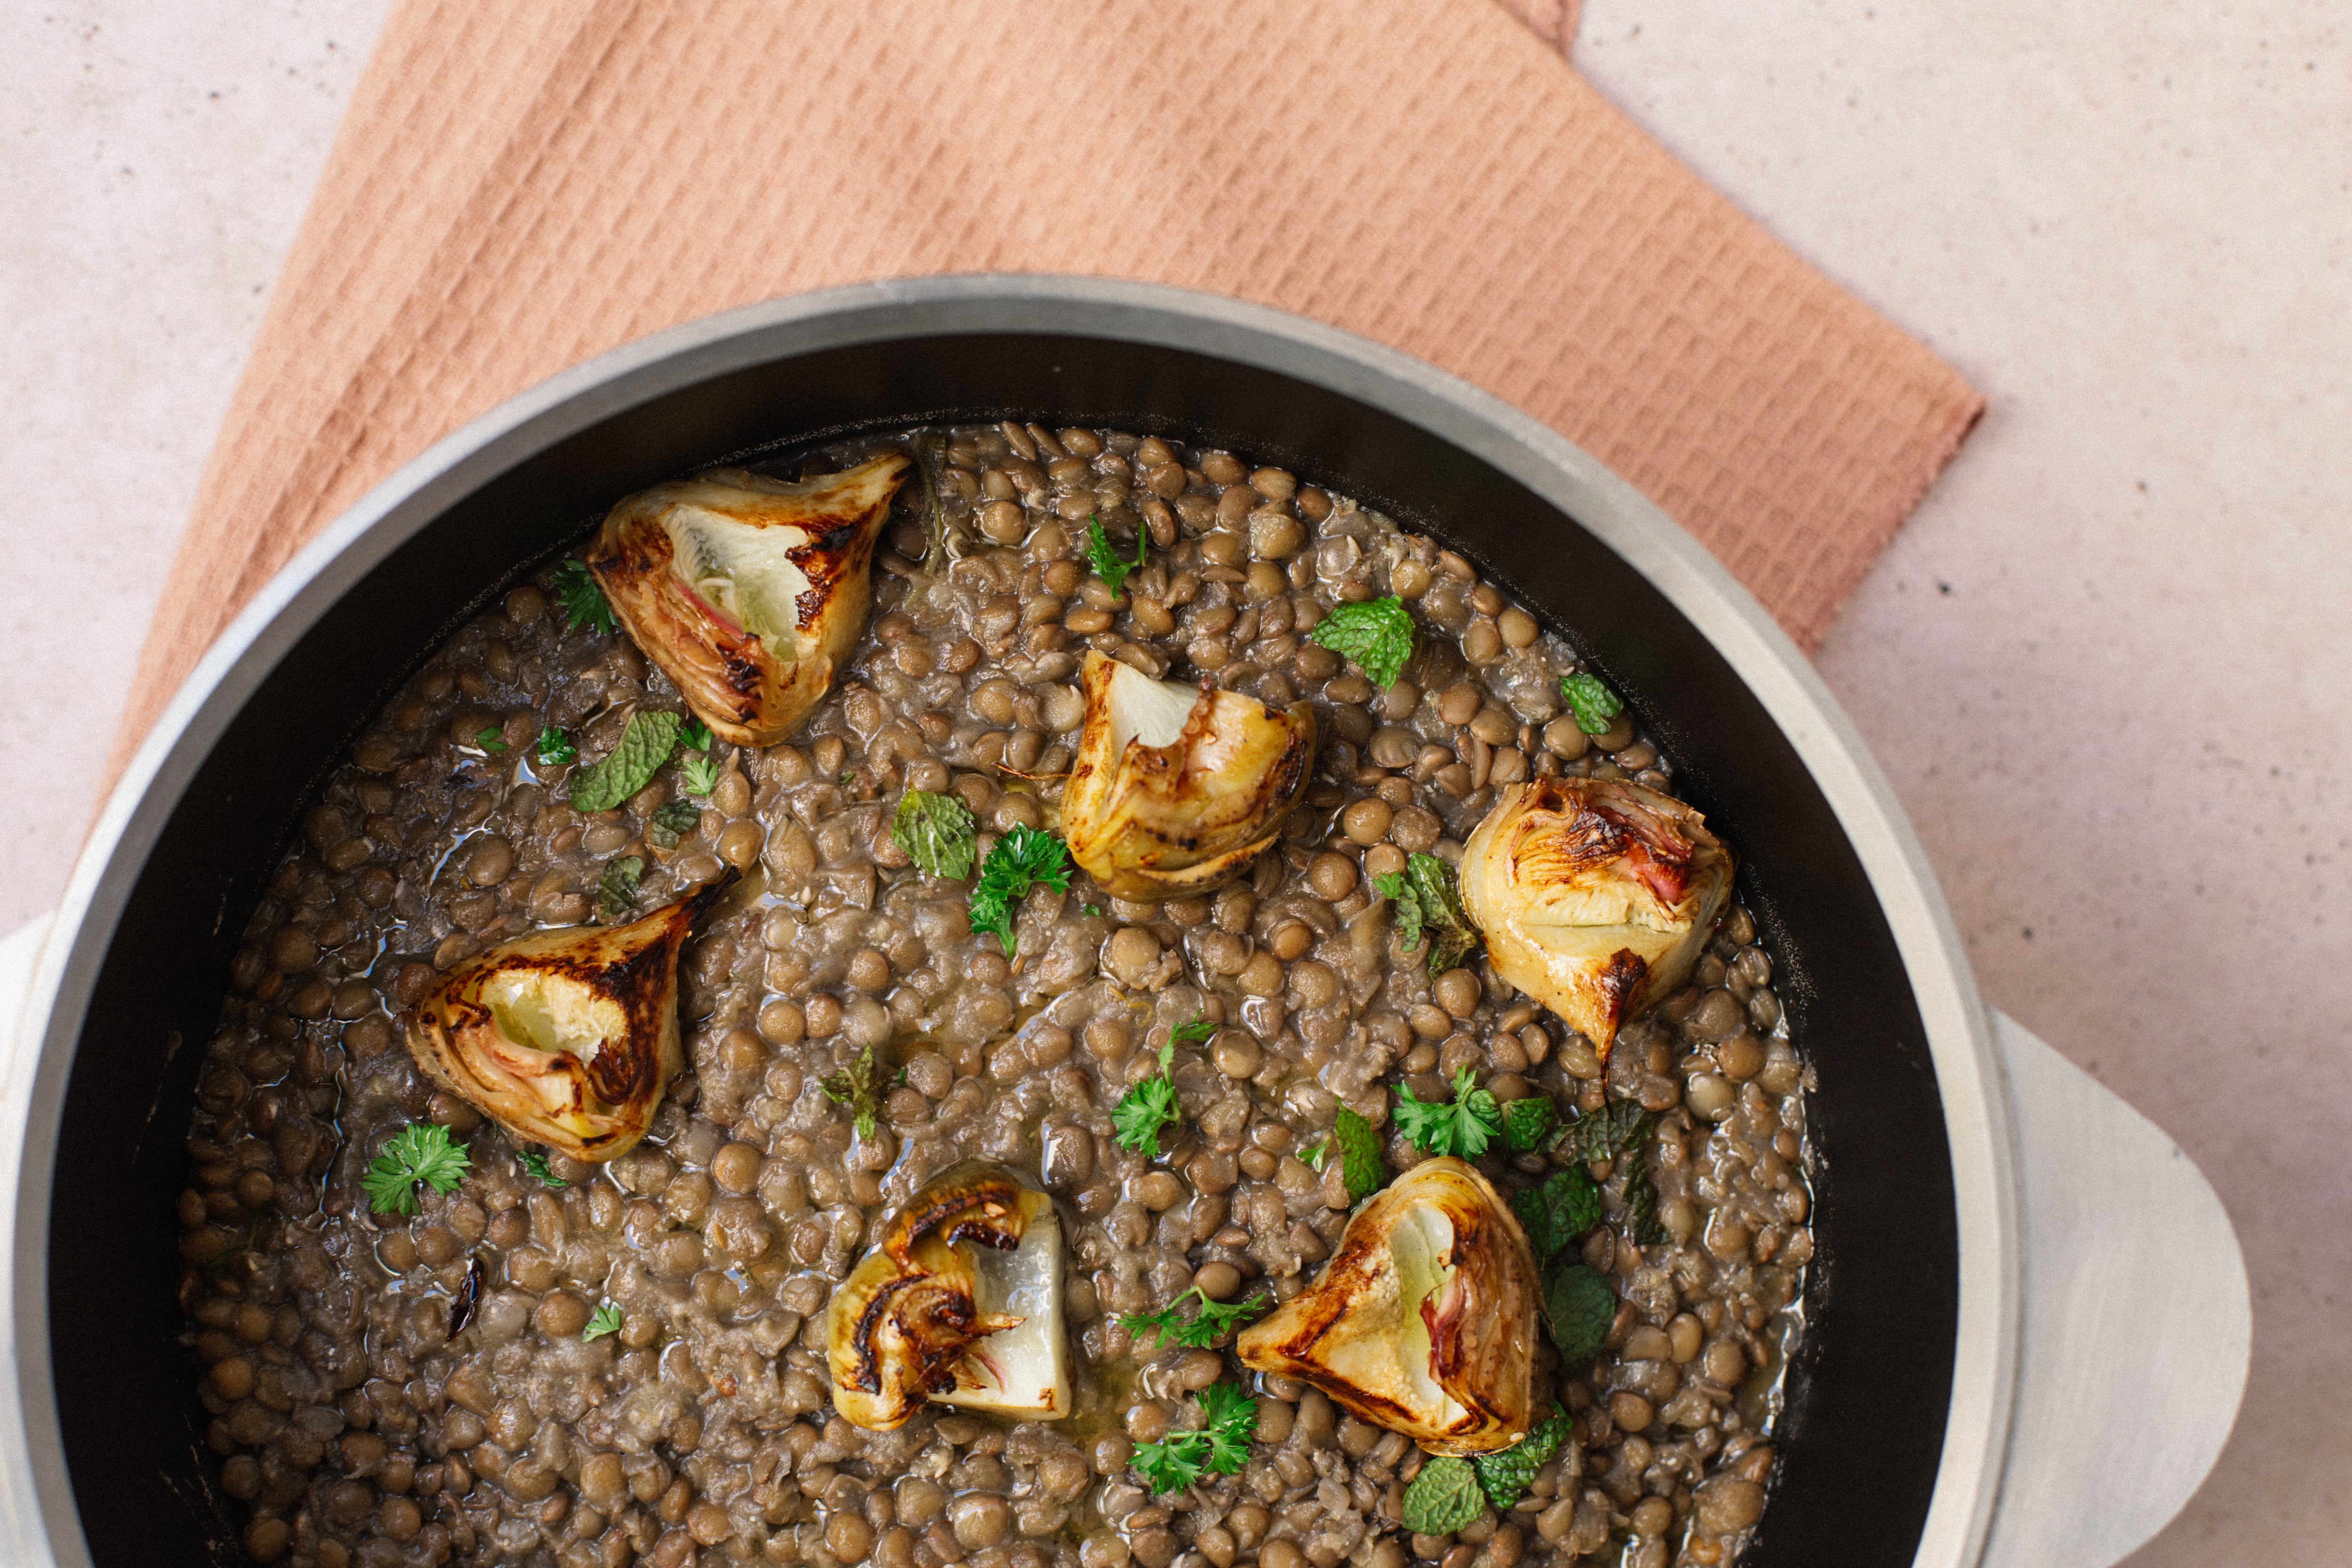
1176	789
747	591
566	1037
1595	896
1425	1319
961	1302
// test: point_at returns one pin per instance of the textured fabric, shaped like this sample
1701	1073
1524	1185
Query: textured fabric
520	187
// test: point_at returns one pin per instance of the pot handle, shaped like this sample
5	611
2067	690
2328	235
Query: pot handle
2136	1322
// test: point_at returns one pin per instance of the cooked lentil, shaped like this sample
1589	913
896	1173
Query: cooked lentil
358	1431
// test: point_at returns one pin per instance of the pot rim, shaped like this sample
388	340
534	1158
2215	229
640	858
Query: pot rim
38	1515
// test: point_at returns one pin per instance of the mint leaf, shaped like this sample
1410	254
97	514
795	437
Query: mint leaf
1359	1149
1436	888
936	832
1446	1497
1527	1122
1642	1203
1580	1306
1555	1214
1604	1133
582	601
1108	564
1593	702
1375	636
671	823
644	746
616	889
1505	1472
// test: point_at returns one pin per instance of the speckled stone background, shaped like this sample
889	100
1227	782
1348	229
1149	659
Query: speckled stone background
2106	665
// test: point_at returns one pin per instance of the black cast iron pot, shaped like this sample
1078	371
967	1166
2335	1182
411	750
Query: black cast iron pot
1898	1403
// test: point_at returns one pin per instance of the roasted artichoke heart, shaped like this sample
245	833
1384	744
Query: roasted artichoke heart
1176	789
564	1037
747	591
1425	1319
961	1302
1595	896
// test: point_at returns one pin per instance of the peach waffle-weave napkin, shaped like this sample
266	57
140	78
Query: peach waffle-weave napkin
519	186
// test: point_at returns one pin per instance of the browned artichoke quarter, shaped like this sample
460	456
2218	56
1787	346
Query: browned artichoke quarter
962	1302
1175	789
1595	896
1425	1319
566	1037
747	591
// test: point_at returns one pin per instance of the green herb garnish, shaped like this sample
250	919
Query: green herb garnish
1220	1446
696	736
1192	1034
555	748
420	1152
698	771
1642	1203
1108	564
644	746
582	600
607	1321
616	889
1593	702
1148	1105
1024	858
1427	902
1555	1214
1376	637
859	1087
491	739
1604	1133
1527	1122
1359	1149
1505	1473
1446	1497
936	832
1090	910
671	823
1460	1127
1580	1306
534	1164
1204	1327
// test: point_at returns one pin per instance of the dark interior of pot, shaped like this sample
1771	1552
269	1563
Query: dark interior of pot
1861	1436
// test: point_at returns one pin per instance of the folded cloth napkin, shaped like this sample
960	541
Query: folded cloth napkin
519	186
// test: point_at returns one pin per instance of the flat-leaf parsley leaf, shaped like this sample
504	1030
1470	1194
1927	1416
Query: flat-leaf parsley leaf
420	1152
1375	636
1205	1327
1221	1446
607	1321
1148	1105
1460	1127
936	832
582	600
534	1164
491	739
859	1087
1024	858
1108	563
555	748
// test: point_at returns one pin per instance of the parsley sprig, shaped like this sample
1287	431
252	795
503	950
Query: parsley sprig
1148	1105
1108	563
491	739
1426	899
607	1321
555	748
1213	1321
582	601
1024	858
534	1164
1220	1446
1460	1127
420	1152
1375	636
859	1087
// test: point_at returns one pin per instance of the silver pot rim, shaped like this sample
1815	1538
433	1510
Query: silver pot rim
38	1518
